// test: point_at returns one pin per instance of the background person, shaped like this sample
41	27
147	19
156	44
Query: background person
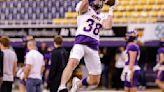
59	58
9	65
34	68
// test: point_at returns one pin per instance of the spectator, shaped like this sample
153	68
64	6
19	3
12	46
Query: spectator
20	72
119	65
160	74
9	65
1	68
105	59
59	60
142	64
43	48
34	68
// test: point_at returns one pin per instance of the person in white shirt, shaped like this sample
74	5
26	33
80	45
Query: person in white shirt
34	68
9	65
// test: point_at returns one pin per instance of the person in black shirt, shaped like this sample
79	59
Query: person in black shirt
59	60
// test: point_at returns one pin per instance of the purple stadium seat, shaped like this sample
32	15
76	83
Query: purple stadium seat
30	16
34	4
7	17
35	9
45	10
33	16
37	16
18	17
45	16
22	16
41	10
2	17
11	10
14	16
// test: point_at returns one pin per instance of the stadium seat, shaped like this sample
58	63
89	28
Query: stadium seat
72	21
157	7
161	13
121	8
116	20
142	20
160	2
64	21
56	21
118	14
71	14
142	2
127	14
152	20
144	14
151	2
123	20
153	13
148	7
133	20
133	2
139	7
64	10
105	8
123	2
135	14
130	8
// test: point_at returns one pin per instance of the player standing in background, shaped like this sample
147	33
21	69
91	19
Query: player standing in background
89	21
131	70
160	68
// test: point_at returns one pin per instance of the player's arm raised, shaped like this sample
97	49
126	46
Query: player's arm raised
107	23
82	7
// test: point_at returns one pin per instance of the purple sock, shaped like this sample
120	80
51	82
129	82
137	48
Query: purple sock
84	82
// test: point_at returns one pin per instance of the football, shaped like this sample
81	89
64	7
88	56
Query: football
110	2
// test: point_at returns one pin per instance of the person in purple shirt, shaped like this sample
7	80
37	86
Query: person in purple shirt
160	74
131	70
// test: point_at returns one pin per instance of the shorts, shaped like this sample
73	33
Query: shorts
91	58
135	80
160	75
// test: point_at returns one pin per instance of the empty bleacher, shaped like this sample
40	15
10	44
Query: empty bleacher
133	11
63	11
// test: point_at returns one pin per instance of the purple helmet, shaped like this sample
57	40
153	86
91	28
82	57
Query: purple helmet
131	36
96	6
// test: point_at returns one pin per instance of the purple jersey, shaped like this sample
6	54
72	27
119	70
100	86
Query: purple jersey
86	40
132	47
160	75
160	50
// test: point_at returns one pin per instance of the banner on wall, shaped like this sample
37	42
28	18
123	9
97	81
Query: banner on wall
148	32
51	32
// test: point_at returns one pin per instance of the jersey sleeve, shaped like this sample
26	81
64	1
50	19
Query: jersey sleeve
78	6
103	16
133	47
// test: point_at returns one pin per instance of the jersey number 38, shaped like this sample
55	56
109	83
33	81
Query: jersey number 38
93	26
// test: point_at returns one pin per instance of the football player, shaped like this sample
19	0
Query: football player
131	70
90	21
160	68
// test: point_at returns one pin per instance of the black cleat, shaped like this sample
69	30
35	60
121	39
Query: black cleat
64	90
